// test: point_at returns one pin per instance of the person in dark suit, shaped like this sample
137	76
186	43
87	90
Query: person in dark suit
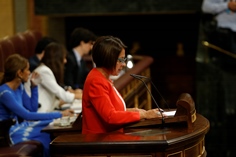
34	60
80	44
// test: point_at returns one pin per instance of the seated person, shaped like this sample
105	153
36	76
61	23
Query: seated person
51	71
39	52
81	42
14	103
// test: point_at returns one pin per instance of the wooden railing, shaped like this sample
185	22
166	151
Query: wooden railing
134	91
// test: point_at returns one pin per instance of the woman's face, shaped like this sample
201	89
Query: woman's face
24	74
121	63
64	60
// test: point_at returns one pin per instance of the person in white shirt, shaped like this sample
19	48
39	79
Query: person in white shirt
50	85
224	12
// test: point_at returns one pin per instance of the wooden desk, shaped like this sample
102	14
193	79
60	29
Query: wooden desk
55	130
171	141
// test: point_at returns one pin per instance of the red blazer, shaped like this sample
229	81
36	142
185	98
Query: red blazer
103	110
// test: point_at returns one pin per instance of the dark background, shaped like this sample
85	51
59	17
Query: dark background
95	7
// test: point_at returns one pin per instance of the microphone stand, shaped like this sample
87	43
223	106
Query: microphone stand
136	76
140	76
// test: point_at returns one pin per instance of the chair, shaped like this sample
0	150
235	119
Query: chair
31	41
38	35
19	44
7	47
1	59
26	148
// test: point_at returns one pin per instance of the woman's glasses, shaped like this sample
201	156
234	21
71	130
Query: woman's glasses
122	60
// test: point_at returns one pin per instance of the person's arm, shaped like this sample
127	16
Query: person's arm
214	6
14	106
30	92
100	97
49	82
147	114
78	92
101	100
31	103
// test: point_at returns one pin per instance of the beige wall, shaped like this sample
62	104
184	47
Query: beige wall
7	25
20	13
18	16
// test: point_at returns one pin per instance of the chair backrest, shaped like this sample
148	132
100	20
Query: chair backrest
31	40
19	44
23	43
4	132
1	59
7	47
37	35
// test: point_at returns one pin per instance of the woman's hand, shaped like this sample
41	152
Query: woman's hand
35	79
67	112
78	92
152	113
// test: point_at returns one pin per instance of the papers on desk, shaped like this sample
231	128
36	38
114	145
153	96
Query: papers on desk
60	121
169	113
76	106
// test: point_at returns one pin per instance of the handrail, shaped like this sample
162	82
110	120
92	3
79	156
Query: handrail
140	66
207	44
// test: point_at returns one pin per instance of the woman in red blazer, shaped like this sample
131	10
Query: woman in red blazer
104	109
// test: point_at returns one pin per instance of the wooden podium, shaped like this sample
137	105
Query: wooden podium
143	139
185	113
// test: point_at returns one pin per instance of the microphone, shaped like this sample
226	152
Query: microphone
144	77
140	78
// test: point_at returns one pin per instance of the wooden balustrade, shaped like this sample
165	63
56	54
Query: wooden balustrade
134	91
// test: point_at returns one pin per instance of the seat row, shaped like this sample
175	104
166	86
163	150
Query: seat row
23	43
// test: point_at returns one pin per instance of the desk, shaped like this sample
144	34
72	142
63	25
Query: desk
56	130
170	141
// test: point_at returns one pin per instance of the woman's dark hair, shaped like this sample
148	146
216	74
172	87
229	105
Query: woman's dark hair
106	51
53	58
12	64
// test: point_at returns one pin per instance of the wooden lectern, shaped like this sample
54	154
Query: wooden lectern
143	139
185	113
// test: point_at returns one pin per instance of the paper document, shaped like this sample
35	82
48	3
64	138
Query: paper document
169	113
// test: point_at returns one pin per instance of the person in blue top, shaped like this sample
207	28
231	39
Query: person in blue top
14	103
